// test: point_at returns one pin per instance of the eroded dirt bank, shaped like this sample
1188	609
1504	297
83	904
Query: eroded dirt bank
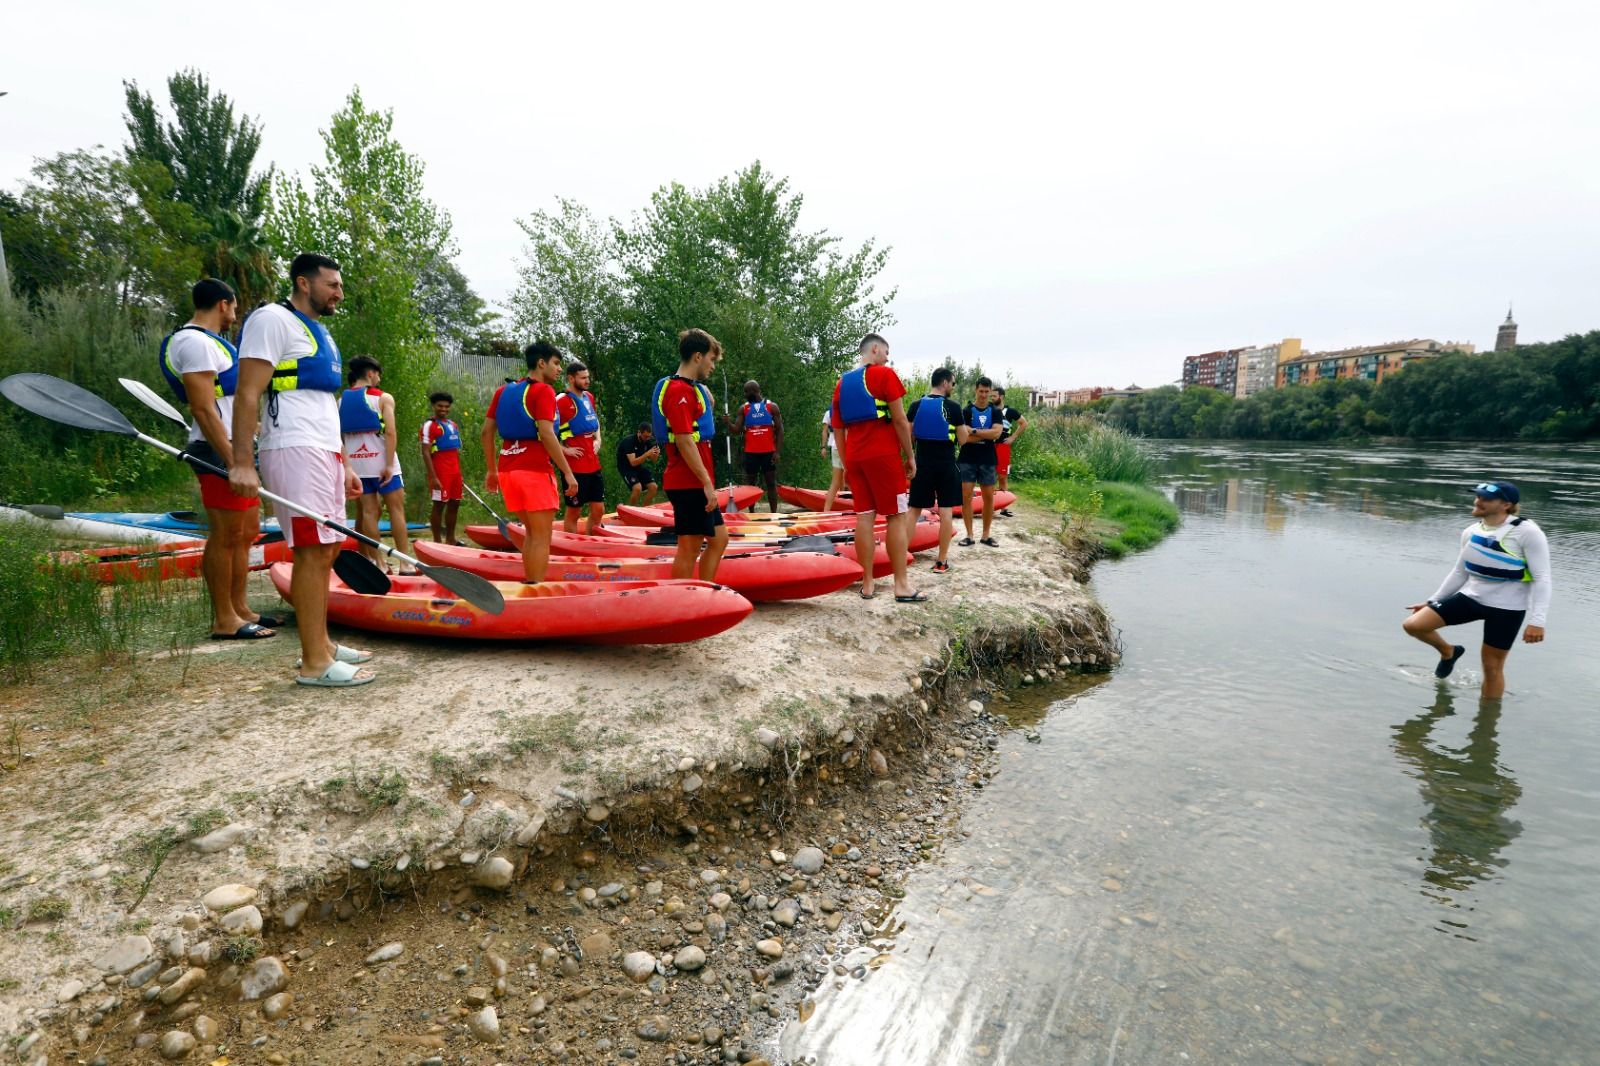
507	854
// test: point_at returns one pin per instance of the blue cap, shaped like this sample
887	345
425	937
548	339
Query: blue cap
1498	490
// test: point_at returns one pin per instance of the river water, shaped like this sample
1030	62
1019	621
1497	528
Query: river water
1271	836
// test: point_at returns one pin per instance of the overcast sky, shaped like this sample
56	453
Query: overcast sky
1082	195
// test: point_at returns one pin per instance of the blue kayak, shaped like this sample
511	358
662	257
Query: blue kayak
193	521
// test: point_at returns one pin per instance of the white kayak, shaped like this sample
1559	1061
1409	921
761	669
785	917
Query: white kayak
90	529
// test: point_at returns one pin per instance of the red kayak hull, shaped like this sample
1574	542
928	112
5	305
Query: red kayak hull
142	562
813	499
796	523
762	577
924	535
573	612
562	543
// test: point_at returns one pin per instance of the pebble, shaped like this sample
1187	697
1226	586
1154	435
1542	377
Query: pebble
975	706
176	1044
609	889
227	897
878	764
126	954
185	984
484	1025
768	739
244	921
772	949
786	914
294	914
69	991
692	783
686	764
222	839
597	812
141	977
710	877
809	860
206	1029
496	873
276	1006
689	959
657	1028
265	977
638	965
596	945
720	901
392	950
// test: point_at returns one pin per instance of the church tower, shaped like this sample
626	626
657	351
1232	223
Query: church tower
1506	339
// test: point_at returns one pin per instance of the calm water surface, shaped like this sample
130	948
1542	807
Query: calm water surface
1271	836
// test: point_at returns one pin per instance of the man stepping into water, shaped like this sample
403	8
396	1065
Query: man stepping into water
371	450
579	432
1012	425
441	458
633	463
937	428
977	460
1501	577
762	426
202	368
287	355
878	461
523	415
683	415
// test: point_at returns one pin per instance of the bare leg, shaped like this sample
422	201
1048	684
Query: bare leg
434	516
988	510
244	533
834	485
633	494
569	517
217	564
536	527
772	490
308	591
395	503
713	555
451	509
1494	672
597	512
966	507
684	559
896	534
1425	625
947	532
367	507
650	495
866	548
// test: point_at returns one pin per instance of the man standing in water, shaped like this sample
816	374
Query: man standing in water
287	356
1501	576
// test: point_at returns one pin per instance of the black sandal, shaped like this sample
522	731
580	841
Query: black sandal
990	541
965	542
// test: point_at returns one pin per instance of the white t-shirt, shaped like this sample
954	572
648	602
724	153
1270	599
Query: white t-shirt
305	418
192	352
827	427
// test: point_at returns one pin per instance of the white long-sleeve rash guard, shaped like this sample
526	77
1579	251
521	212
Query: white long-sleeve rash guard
1528	541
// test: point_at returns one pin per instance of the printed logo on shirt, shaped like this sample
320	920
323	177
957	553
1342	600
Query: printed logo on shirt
365	452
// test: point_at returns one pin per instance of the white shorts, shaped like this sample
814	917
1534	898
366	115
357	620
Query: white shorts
838	463
312	478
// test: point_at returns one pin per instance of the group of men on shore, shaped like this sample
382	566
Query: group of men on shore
282	410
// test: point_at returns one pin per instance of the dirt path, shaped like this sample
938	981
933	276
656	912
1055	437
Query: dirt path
459	757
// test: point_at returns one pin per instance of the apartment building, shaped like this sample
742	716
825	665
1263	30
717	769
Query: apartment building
1370	363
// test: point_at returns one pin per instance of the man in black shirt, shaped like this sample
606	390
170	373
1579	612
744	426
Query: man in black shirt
1012	423
633	453
977	459
937	429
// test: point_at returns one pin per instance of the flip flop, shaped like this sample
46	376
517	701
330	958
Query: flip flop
990	541
271	621
966	542
410	571
1445	666
867	595
337	675
248	631
915	597
941	567
342	654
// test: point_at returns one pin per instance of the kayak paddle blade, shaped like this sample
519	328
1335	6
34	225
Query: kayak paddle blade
147	396
809	544
361	574
62	401
470	587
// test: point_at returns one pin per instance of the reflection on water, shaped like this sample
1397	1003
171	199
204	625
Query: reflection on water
1467	792
1211	858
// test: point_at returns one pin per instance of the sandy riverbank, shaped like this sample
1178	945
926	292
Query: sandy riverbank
491	790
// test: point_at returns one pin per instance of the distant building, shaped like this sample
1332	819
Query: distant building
1258	367
1213	370
1112	394
1371	363
1506	338
1081	397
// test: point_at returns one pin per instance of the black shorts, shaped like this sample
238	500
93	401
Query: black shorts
689	515
591	489
758	463
638	475
1500	624
938	485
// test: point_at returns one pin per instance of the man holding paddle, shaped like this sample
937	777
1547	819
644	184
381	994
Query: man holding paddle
523	415
202	368
287	355
683	415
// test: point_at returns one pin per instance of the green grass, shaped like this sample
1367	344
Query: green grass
1134	517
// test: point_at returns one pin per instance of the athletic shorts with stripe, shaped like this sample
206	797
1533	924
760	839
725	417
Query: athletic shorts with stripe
878	484
312	478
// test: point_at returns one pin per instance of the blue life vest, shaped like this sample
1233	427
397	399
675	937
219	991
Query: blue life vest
227	380
931	423
1488	557
359	410
705	426
758	425
583	424
320	370
981	418
449	439
856	402
512	418
757	415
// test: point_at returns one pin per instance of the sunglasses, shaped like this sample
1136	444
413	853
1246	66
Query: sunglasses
1487	488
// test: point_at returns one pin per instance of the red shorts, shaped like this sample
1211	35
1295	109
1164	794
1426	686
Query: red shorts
529	490
878	484
1002	454
215	495
448	472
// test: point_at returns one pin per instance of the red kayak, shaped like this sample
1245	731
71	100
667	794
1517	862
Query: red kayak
924	535
583	546
813	499
798	522
760	577
489	536
141	562
574	612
